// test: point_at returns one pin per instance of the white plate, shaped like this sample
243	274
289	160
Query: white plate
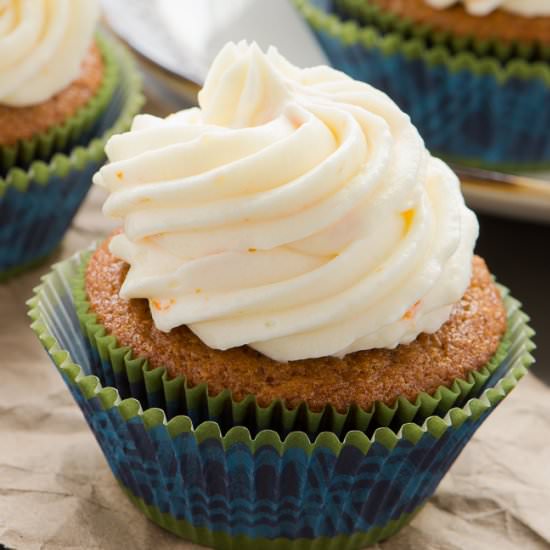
505	200
180	38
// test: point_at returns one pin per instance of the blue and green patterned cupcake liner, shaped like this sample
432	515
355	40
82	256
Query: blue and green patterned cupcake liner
117	366
235	490
469	108
37	205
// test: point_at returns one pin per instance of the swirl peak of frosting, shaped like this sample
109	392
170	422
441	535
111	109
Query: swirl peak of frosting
296	211
526	8
42	45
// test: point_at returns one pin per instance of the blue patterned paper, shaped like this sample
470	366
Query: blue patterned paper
260	494
267	495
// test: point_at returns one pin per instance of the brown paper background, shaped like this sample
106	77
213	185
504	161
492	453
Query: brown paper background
56	491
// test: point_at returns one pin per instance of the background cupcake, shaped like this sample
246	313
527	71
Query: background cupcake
63	90
276	269
56	78
476	88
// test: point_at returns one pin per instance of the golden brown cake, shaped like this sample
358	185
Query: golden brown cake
465	343
499	24
20	123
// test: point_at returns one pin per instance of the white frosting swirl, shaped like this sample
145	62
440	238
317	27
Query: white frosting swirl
296	211
42	45
527	8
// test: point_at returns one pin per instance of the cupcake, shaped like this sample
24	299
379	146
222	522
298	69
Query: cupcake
472	75
290	337
63	90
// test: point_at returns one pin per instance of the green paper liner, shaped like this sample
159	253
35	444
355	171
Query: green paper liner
41	172
46	295
61	138
178	397
369	14
392	43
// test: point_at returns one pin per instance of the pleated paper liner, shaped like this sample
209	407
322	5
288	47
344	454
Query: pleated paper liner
38	205
237	491
118	367
471	109
76	130
368	13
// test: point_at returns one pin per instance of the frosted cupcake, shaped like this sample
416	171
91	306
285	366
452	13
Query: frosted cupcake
363	241
295	277
61	87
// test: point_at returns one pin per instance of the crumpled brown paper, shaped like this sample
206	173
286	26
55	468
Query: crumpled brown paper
57	492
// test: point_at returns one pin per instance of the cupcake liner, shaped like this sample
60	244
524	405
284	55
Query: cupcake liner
115	365
37	206
469	109
77	130
371	14
238	491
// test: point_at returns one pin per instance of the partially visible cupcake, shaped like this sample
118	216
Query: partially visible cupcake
474	76
56	79
290	340
61	88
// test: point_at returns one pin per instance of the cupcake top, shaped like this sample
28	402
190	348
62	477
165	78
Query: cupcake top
42	46
526	8
296	211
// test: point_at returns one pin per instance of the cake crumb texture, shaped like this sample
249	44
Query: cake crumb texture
465	343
